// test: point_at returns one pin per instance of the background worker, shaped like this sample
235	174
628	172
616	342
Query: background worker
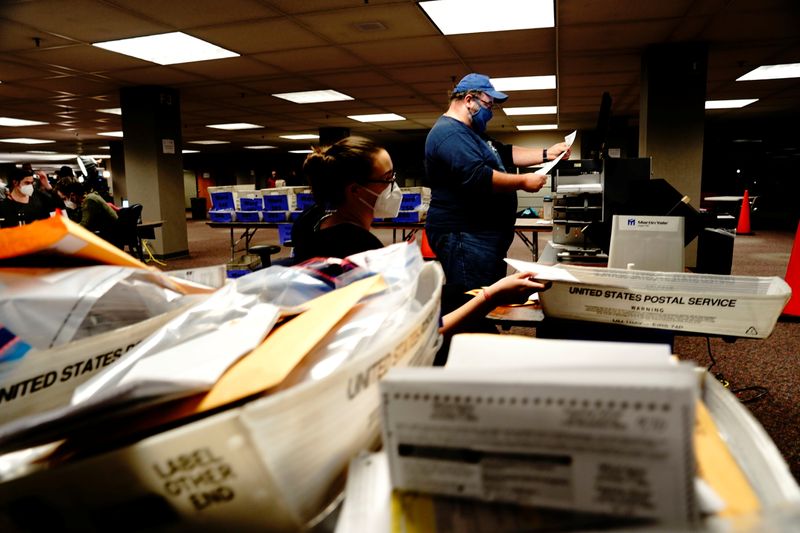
22	204
95	213
470	223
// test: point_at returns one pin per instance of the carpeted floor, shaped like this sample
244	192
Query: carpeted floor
770	362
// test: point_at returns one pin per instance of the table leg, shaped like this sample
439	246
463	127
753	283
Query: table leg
532	243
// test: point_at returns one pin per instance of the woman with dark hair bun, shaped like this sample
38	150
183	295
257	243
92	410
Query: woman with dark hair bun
353	181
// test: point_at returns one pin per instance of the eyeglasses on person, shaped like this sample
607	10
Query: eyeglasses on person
389	176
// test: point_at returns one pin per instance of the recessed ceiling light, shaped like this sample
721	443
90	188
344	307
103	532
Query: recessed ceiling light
300	151
111	110
535	110
313	97
378	117
111	133
300	137
190	151
524	83
46	152
235	126
24	140
167	48
260	147
474	16
536	127
729	104
209	142
14	122
104	148
772	72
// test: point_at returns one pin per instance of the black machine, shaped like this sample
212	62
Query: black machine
589	192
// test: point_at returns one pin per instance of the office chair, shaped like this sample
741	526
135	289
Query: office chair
126	232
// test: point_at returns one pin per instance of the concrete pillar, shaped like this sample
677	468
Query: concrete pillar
117	168
672	117
151	125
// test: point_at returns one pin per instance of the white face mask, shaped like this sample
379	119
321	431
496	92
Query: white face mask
387	204
69	204
27	190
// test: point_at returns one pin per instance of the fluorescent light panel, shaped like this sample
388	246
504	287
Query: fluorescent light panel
524	83
729	104
313	97
209	142
235	126
379	117
167	48
25	140
111	133
300	137
300	151
190	151
537	127
535	110
454	17
111	110
14	122
772	72
260	147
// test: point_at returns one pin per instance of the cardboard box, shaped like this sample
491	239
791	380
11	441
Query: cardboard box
741	306
272	464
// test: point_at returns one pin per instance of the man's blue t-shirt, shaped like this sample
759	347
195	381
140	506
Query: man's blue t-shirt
459	165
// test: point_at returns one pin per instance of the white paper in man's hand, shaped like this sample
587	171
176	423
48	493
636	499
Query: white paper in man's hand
569	139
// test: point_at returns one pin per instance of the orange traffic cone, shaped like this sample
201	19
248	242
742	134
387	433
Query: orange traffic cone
793	277
743	226
425	247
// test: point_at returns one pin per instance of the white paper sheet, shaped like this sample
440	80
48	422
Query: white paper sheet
542	271
547	167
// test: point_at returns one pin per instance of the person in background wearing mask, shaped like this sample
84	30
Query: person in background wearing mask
95	213
22	206
470	223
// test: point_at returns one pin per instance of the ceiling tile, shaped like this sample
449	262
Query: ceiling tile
324	58
260	36
404	51
401	20
84	20
182	16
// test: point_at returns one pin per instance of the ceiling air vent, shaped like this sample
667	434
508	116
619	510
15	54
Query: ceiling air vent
370	26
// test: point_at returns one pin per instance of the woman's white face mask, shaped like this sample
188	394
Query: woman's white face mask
387	203
27	190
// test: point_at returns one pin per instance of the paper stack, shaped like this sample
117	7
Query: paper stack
595	427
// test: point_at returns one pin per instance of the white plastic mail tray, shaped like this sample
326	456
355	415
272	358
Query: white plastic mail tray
741	306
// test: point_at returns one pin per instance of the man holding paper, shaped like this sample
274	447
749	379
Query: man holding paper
470	223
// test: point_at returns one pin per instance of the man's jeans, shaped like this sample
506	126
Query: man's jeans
472	260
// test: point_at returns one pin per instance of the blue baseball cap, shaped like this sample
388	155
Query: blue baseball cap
480	82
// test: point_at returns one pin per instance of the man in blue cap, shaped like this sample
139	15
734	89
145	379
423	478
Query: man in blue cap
470	223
